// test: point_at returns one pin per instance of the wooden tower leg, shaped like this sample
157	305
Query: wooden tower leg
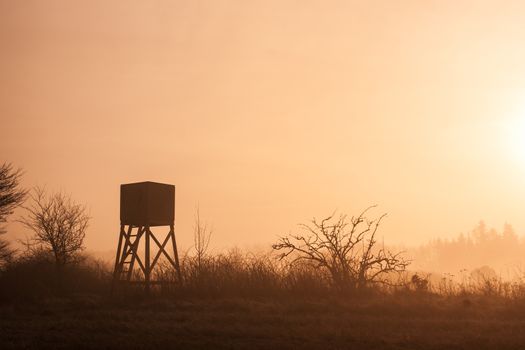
174	243
117	259
147	270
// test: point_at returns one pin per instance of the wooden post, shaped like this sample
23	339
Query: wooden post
117	259
174	243
147	271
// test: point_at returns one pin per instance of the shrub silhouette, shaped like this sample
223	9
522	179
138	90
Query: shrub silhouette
346	249
34	276
59	226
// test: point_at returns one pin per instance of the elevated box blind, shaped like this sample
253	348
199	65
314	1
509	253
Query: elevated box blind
147	204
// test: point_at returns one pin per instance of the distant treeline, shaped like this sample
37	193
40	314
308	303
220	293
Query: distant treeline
503	251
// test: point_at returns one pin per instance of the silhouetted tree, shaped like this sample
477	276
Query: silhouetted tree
59	226
509	235
347	250
201	238
11	196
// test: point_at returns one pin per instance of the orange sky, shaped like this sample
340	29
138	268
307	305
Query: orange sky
267	113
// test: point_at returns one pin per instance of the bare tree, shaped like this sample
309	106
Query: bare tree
346	249
11	196
59	225
201	239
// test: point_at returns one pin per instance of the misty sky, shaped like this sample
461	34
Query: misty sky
266	113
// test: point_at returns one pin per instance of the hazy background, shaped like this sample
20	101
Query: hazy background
267	113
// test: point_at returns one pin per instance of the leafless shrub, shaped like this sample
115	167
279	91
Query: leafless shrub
346	249
201	238
58	224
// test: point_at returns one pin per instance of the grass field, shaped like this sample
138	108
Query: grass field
376	322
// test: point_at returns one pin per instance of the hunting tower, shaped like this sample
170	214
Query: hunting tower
144	205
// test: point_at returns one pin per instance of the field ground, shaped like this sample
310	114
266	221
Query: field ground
378	322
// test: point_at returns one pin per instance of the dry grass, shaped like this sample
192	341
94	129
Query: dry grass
242	301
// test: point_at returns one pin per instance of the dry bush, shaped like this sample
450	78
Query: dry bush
35	277
238	274
345	248
235	274
58	224
232	273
